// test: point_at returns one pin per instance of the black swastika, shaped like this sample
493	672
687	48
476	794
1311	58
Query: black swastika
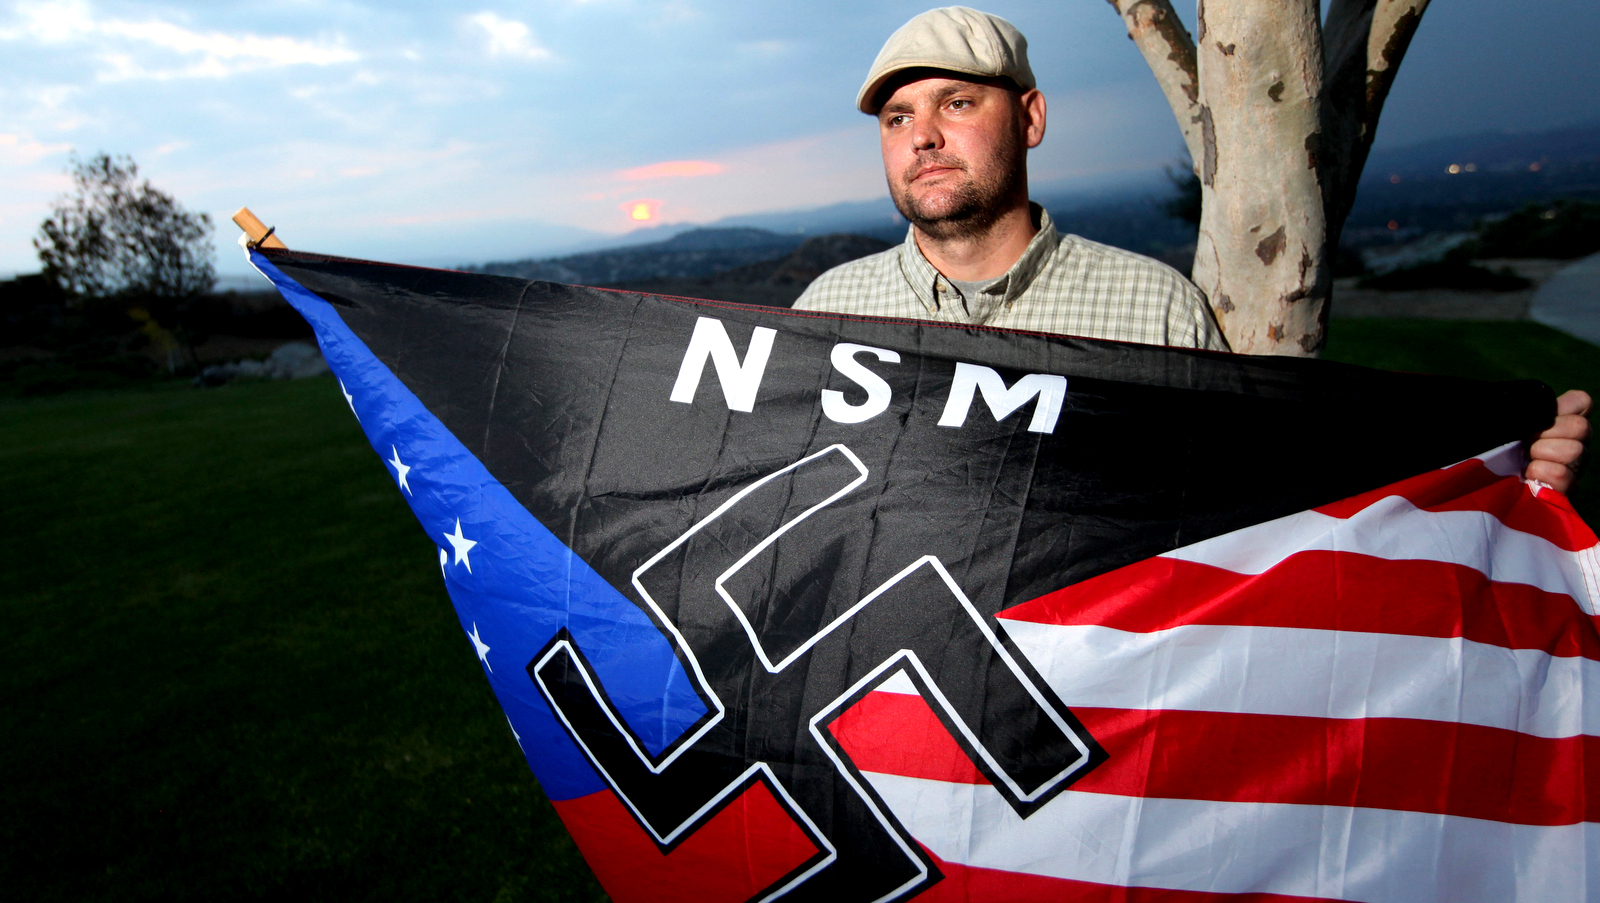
751	598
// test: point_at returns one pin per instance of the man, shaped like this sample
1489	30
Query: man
958	109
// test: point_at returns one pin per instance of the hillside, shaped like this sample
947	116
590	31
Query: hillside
697	252
1450	184
776	282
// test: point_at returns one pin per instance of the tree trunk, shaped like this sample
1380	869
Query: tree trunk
1278	113
1261	254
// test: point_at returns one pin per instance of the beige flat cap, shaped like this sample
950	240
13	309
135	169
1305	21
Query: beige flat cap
956	39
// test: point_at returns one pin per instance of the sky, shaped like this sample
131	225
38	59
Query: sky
460	132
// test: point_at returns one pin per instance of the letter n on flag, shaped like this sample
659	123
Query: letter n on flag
788	605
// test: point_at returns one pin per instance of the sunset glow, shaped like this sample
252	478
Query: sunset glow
642	210
671	169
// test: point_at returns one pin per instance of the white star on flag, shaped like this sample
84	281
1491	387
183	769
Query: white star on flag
444	559
514	734
462	545
349	400
401	469
483	651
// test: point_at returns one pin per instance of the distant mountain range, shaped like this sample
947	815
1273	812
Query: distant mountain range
1414	188
1504	152
696	252
1451	184
774	283
1131	218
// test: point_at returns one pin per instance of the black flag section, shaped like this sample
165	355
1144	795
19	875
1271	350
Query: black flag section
563	393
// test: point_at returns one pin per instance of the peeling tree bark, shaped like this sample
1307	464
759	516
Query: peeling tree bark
1159	34
1279	112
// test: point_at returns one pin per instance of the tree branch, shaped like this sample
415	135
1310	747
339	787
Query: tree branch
1160	36
1344	35
1363	43
1394	22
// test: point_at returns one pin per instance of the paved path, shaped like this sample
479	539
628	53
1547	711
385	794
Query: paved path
1570	300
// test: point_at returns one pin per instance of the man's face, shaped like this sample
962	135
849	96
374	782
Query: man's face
955	152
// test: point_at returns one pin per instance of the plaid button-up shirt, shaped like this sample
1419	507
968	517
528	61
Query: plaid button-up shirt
1061	284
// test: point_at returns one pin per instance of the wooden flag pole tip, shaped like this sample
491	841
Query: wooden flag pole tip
256	231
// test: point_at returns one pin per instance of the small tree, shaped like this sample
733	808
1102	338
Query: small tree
118	242
1186	203
1278	108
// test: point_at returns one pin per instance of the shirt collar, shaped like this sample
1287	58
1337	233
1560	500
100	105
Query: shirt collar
925	280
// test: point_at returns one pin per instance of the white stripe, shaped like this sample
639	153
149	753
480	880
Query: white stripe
1509	460
1315	674
899	683
1589	564
1394	528
1376	855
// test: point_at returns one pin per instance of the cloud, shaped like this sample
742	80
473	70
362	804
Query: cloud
144	49
52	22
508	37
249	48
809	171
671	169
766	48
805	171
21	150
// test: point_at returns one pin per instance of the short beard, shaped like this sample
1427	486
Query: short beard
974	207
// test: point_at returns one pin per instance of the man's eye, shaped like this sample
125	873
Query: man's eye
960	104
899	120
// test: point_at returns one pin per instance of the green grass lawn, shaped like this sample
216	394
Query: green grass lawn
232	671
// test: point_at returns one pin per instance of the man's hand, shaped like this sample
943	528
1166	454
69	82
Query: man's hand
1555	453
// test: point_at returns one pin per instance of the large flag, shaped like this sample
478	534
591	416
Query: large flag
784	604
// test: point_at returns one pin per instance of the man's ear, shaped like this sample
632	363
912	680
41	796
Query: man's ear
1032	110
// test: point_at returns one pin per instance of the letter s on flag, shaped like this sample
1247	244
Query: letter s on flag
844	360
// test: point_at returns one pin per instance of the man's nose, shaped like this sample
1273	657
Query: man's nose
925	134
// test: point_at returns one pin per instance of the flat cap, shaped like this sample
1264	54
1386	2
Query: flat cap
953	38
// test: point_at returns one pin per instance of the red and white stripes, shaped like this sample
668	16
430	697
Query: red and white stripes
1391	698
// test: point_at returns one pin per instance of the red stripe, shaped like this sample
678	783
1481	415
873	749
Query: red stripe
1471	486
1548	515
1325	590
1378	763
743	849
967	884
893	733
